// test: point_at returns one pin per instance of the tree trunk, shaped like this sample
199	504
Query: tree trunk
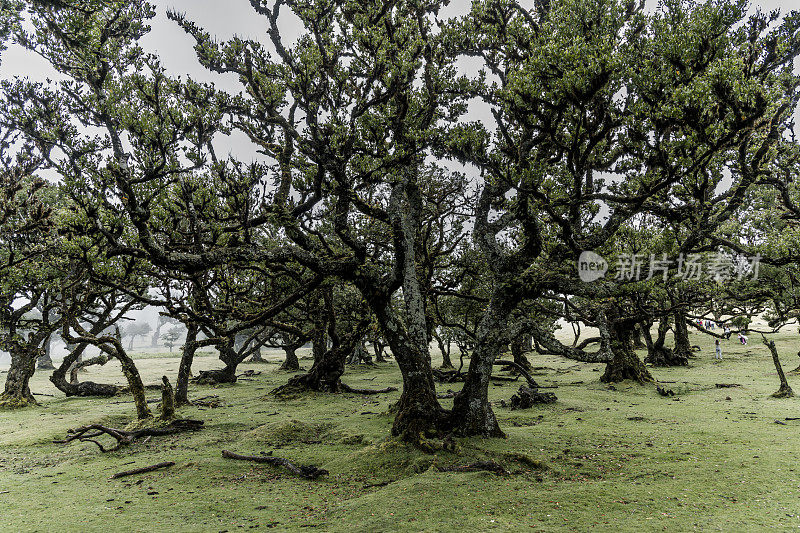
17	390
325	373
157	333
444	348
785	391
418	410
227	374
73	387
167	400
291	362
683	348
624	363
45	362
185	368
257	357
657	353
379	349
519	346
636	338
135	384
472	413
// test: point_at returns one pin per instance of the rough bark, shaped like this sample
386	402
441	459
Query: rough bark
17	391
636	338
45	361
185	368
624	363
226	374
657	353
135	385
472	413
683	348
785	391
519	345
326	372
526	397
167	400
291	362
72	363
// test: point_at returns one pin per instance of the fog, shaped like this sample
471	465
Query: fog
58	349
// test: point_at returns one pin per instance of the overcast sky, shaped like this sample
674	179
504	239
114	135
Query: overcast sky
224	19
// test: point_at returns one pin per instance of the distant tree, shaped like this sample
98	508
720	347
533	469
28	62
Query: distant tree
135	329
171	337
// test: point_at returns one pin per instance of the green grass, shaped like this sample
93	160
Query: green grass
627	459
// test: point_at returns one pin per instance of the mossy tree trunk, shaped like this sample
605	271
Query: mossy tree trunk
683	348
624	364
472	414
17	391
519	346
185	369
657	353
785	391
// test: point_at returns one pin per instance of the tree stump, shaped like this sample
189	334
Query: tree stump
527	397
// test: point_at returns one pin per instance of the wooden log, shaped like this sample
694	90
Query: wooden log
347	388
478	466
143	470
307	472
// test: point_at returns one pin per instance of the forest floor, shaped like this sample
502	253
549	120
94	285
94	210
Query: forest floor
607	458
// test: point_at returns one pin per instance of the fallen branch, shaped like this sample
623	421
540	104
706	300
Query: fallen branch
143	470
123	437
478	466
347	388
307	472
520	369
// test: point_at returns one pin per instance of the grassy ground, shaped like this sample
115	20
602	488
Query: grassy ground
618	458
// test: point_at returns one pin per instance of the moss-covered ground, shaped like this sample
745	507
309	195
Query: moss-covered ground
605	458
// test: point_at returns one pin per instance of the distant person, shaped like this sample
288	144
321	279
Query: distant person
743	338
727	331
717	350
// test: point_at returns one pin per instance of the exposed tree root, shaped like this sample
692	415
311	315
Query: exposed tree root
306	472
16	402
123	437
